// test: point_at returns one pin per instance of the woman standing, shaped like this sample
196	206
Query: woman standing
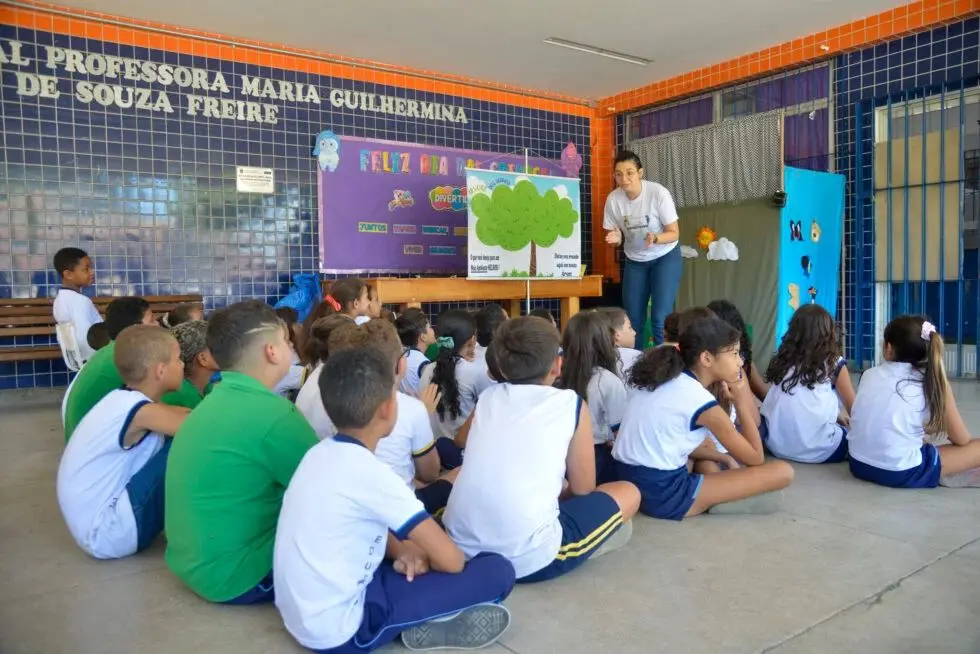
641	215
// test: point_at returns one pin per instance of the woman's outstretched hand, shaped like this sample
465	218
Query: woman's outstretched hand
614	237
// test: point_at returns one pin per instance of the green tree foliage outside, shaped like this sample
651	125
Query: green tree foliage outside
511	218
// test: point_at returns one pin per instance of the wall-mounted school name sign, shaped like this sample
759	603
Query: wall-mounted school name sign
126	83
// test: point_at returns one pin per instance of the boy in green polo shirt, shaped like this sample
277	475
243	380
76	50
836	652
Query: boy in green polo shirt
232	460
99	377
199	365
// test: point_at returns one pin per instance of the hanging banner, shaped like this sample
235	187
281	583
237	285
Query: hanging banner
523	226
810	234
388	207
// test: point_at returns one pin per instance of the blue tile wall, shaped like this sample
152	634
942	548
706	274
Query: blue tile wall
944	59
152	195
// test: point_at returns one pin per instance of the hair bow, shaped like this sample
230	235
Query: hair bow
928	329
446	342
333	302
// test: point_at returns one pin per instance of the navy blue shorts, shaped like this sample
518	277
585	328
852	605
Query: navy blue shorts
260	593
145	490
924	475
435	496
840	454
605	464
664	494
587	522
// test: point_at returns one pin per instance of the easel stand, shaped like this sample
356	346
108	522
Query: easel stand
412	292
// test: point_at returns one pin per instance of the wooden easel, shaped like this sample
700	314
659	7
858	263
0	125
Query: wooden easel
412	292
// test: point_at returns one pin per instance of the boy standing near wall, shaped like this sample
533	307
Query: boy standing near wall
71	308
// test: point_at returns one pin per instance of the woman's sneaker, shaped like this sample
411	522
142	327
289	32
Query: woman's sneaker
473	628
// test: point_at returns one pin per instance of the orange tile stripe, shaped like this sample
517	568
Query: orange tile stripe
126	31
799	52
885	26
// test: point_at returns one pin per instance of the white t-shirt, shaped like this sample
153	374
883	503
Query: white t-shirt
505	499
95	469
310	404
360	320
888	418
293	380
473	379
413	367
331	538
410	438
659	429
627	357
803	422
607	403
648	213
72	307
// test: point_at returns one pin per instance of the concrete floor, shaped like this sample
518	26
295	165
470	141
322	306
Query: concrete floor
846	567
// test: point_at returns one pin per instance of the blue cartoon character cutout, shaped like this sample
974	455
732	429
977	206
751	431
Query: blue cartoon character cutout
327	150
805	262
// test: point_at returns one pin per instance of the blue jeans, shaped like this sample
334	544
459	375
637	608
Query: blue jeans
655	281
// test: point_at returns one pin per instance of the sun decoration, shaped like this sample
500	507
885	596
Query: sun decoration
705	237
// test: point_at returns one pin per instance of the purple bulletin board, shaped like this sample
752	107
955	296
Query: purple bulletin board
388	207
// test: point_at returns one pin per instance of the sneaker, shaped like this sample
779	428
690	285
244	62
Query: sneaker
618	539
757	504
966	479
473	628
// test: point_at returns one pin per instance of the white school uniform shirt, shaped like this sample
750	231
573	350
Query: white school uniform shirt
360	320
414	364
650	212
95	469
627	357
473	379
606	398
888	418
505	499
70	306
659	429
294	378
331	538
803	422
310	404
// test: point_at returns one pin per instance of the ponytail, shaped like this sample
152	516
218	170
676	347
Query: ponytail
456	328
935	386
915	341
656	367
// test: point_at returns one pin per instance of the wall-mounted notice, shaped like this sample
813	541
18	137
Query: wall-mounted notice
250	179
523	226
390	207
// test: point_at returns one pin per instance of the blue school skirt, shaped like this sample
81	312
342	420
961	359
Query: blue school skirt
664	494
924	475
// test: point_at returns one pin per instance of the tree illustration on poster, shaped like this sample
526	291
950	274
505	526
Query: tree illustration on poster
514	212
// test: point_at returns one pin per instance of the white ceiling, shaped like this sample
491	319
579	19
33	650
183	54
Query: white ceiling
501	40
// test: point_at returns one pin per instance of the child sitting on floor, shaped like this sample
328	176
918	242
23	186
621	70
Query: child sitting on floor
317	351
110	481
671	332
374	306
904	401
459	378
730	314
415	333
591	369
669	416
99	376
297	373
544	314
624	338
809	383
199	365
180	314
488	318
410	450
345	512
349	296
525	439
232	460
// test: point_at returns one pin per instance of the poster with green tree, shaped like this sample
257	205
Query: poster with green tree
523	226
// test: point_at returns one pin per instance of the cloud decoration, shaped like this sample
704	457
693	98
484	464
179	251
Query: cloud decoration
688	252
722	250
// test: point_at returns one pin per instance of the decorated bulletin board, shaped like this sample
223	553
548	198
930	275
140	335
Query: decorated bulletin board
388	207
810	237
523	226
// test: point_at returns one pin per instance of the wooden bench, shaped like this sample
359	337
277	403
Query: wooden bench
34	317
